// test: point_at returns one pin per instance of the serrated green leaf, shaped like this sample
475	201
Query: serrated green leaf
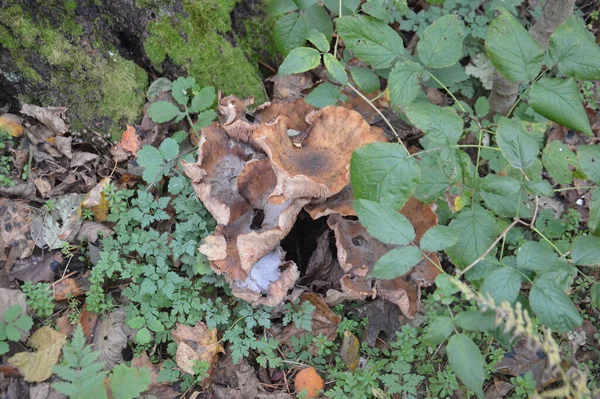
180	87
440	328
403	82
540	187
475	320
476	228
24	323
299	60
128	382
278	7
502	285
441	125
169	149
594	218
441	43
512	50
573	49
437	238
325	94
318	39
396	262
348	6
302	4
162	111
533	255
503	195
432	183
335	68
553	307
559	100
176	184
205	118
561	273
12	333
137	322
482	107
595	295
292	29
370	40
383	172
589	160
203	100
143	336
12	313
519	149
557	158
365	78
375	9
467	362
4	347
585	251
384	222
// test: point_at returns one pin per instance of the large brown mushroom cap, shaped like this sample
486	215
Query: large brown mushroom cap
214	175
319	168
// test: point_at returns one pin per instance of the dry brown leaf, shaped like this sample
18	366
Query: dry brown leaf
196	343
308	381
157	389
10	298
43	186
350	350
63	145
64	288
110	337
51	117
81	158
12	124
63	324
130	140
36	268
15	241
88	321
37	366
90	231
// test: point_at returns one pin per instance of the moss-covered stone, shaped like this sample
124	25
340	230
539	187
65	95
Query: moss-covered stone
195	40
102	90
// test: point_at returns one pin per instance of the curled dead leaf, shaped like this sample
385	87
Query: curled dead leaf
130	140
51	117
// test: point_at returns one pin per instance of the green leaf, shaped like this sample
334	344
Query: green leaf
152	161
540	187
383	172
441	125
203	100
512	50
476	228
562	274
396	262
325	94
503	195
437	238
384	223
137	322
559	100
557	158
12	333
533	255
278	7
585	251
404	82
553	307
502	285
467	362
519	149
375	9
348	6
4	347
205	118
290	32
180	87
573	49
158	86
318	39
24	323
335	68
300	59
589	159
128	382
440	328
12	313
143	336
302	4
441	43
176	184
169	149
595	295
594	218
162	111
370	40
365	78
474	320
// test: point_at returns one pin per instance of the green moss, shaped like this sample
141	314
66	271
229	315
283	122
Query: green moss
256	37
203	51
102	91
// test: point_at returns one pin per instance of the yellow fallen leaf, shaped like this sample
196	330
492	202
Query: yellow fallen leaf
37	366
350	350
10	123
96	201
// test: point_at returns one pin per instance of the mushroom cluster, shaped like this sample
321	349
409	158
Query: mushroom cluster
256	174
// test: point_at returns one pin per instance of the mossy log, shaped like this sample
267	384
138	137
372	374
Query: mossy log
97	57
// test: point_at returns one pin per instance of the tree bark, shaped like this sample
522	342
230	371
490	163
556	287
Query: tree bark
504	92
